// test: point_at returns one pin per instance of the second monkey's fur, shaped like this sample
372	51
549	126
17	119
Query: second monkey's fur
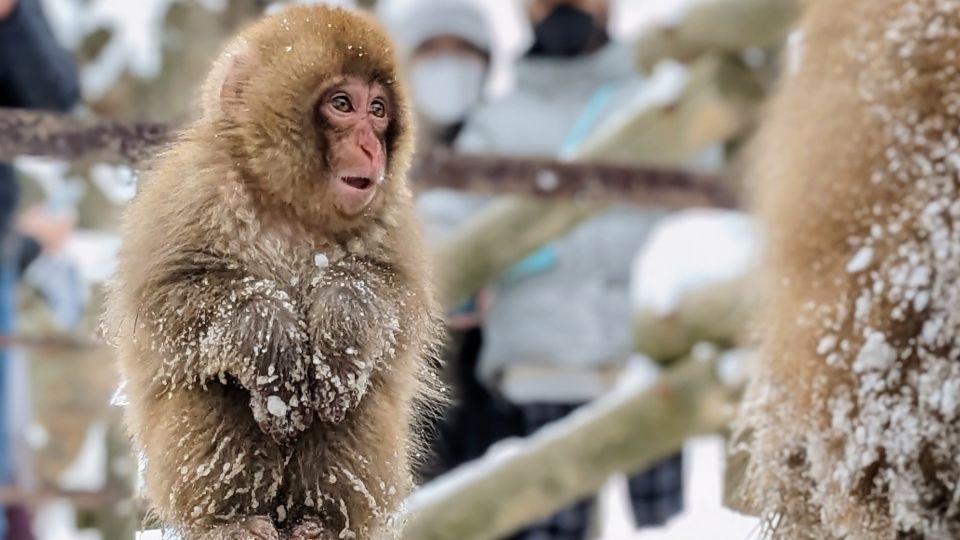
852	423
235	272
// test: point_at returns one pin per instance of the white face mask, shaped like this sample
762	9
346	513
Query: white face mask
446	87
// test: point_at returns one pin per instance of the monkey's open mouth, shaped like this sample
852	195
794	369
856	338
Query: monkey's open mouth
357	182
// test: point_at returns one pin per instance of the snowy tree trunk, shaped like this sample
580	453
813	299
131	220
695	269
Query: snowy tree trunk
520	482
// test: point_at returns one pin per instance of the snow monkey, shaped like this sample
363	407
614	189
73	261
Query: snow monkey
272	306
852	422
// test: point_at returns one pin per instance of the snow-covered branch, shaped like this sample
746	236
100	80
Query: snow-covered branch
501	235
518	482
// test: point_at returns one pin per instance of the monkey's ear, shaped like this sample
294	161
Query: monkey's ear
234	84
227	83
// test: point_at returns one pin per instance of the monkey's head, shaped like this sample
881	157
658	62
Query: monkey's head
309	107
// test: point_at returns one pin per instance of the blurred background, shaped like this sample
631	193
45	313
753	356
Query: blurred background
566	310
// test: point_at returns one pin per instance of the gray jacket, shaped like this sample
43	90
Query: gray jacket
570	309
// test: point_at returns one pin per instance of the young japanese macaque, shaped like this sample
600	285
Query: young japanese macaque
273	307
852	421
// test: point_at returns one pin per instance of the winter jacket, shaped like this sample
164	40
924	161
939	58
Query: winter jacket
566	309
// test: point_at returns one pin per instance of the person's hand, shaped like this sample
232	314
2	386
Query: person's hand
49	229
6	8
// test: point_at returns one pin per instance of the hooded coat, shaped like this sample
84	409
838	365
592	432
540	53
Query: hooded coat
566	309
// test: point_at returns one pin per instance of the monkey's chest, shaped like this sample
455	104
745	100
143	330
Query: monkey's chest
294	260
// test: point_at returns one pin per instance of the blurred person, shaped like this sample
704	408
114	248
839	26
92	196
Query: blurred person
557	332
37	73
447	44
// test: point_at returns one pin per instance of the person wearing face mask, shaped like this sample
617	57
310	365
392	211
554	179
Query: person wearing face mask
557	332
448	50
447	47
447	80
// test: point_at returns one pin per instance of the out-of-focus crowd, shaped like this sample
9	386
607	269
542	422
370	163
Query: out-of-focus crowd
546	337
552	333
36	73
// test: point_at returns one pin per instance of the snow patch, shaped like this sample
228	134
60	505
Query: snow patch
875	354
321	260
276	406
861	260
690	250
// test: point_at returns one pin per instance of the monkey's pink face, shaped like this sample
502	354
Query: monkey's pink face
354	116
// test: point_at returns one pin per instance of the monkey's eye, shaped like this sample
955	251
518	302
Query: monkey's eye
342	103
378	108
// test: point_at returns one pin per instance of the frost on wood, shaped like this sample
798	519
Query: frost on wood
851	422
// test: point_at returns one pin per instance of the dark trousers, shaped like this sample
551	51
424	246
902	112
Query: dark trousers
656	494
476	419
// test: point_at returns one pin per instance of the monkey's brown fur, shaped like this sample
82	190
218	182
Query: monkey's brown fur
851	422
221	293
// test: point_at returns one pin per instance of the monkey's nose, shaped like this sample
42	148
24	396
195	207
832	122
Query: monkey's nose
369	144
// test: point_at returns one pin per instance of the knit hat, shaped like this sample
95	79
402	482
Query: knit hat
428	19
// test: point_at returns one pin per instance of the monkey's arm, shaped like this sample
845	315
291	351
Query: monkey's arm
212	321
354	320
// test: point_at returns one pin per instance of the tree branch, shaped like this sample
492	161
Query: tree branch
503	234
651	186
32	133
519	482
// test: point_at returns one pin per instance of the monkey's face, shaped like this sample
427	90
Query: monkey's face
309	106
353	117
